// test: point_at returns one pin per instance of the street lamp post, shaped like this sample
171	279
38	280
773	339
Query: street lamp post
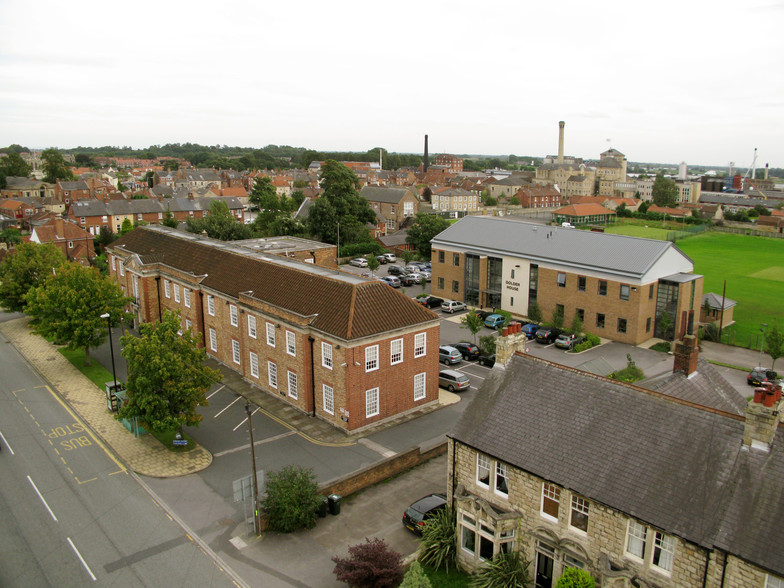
763	326
107	316
256	519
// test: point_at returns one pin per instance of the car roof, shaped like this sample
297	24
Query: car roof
453	373
448	347
489	316
428	502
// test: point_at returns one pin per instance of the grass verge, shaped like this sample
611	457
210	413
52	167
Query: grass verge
452	579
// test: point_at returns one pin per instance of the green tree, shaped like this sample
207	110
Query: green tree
759	209
665	191
169	220
13	165
298	196
370	565
575	578
514	201
11	236
423	229
577	325
68	306
373	263
665	326
558	317
126	227
292	499
55	167
534	313
167	378
263	195
24	269
774	343
487	344
408	256
473	322
219	224
415	577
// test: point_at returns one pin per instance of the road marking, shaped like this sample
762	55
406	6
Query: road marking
216	391
6	443
81	559
245	420
378	448
227	407
42	498
261	442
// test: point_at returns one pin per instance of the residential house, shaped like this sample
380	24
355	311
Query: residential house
539	196
393	206
455	200
508	186
76	243
717	310
17	187
67	192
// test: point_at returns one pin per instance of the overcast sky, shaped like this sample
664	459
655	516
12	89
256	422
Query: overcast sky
667	81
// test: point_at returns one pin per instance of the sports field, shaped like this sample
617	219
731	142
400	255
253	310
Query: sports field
647	232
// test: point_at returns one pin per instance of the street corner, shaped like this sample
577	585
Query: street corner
158	462
445	397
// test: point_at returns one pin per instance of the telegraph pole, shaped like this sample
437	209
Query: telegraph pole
256	518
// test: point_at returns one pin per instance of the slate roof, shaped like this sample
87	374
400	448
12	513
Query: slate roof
715	301
513	181
77	185
342	304
148	205
618	254
386	195
669	463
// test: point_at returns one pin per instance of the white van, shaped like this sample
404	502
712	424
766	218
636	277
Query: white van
567	225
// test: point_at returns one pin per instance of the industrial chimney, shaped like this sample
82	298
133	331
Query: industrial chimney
427	163
561	125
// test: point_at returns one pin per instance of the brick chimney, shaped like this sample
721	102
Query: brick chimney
511	340
426	162
762	417
686	350
561	125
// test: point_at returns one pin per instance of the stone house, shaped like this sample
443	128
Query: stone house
455	199
393	206
349	350
639	488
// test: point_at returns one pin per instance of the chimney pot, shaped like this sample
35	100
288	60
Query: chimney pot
770	398
505	332
759	393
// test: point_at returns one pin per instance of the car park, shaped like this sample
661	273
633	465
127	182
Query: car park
568	340
430	301
448	355
395	270
453	380
760	375
495	321
530	330
359	262
411	279
416	515
451	306
547	335
416	265
426	274
468	350
382	260
392	281
390	257
487	360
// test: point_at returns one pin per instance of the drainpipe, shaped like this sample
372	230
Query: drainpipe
705	574
724	569
158	290
312	376
201	311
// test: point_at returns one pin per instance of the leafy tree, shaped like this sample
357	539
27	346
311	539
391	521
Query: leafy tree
577	325
100	263
759	208
665	191
104	237
408	256
219	224
25	269
665	326
534	313
514	201
415	577
473	322
575	578
292	499
373	263
55	167
558	317
505	569
370	565
298	196
438	547
68	306
13	165
644	206
84	159
11	235
126	227
774	343
169	220
427	194
423	229
263	195
487	344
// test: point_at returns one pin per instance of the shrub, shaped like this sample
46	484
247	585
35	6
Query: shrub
439	540
710	332
575	578
415	577
505	569
590	341
292	499
361	249
369	565
663	346
487	344
535	313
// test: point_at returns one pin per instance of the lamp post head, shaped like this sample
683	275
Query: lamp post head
105	315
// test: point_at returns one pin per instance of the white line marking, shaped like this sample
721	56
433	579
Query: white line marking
245	420
41	497
216	391
247	445
227	407
6	444
81	559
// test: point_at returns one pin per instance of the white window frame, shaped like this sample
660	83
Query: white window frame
272	374
167	288
420	344
396	351
235	351
420	390
552	493
293	382
188	324
467	526
639	533
663	551
372	402
251	326
773	581
326	355
484	465
210	304
501	473
270	334
122	268
254	365
328	393
371	358
213	339
187	296
291	343
234	316
176	292
580	506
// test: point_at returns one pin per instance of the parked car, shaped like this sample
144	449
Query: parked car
468	350
483	314
392	281
427	275
530	330
568	340
359	262
431	301
451	306
390	257
395	270
448	355
453	380
415	515
495	321
418	265
381	259
547	335
759	375
411	279
488	360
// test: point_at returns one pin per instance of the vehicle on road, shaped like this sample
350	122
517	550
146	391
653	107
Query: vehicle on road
448	355
392	281
759	375
483	314
568	340
468	350
547	335
431	301
495	321
453	380
416	515
359	262
488	360
451	306
530	330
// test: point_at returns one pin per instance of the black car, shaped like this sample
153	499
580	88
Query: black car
759	375
547	335
468	350
431	301
395	270
415	516
382	259
483	314
488	360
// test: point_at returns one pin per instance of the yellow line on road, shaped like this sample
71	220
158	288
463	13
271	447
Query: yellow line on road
303	435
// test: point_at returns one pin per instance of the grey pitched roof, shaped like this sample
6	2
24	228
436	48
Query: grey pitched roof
386	195
609	162
715	301
77	185
733	200
619	254
663	461
513	181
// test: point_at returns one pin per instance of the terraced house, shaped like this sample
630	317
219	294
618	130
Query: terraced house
343	348
622	288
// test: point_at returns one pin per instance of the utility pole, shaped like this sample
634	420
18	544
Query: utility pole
256	517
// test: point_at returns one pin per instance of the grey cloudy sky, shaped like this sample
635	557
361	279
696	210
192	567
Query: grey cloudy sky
662	81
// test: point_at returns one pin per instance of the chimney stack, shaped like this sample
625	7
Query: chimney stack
762	417
561	125
766	170
427	163
687	351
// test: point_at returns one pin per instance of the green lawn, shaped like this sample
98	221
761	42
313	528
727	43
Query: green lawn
649	232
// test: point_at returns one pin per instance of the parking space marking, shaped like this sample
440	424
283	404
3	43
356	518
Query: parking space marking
245	420
225	408
255	443
216	391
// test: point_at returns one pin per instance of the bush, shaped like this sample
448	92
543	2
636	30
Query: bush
664	347
710	332
575	578
631	373
590	341
292	499
505	569
369	564
361	249
415	577
487	344
535	313
438	548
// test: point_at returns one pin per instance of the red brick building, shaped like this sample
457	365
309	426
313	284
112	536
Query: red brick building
77	244
346	349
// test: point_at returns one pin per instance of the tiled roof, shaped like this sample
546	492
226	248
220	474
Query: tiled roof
386	195
342	304
60	230
715	301
583	210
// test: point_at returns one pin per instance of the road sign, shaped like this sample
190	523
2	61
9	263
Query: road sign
180	441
